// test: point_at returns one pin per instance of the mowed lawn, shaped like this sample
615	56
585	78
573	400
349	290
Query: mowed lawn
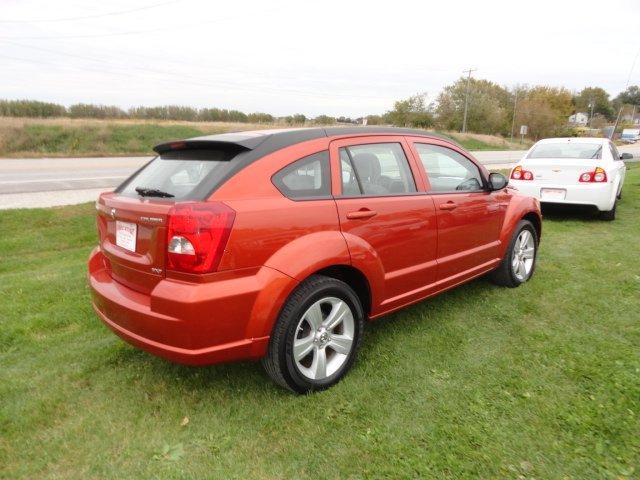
481	382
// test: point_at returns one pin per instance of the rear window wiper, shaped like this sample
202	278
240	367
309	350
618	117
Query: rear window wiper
152	192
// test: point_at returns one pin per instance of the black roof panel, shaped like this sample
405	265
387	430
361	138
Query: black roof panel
272	140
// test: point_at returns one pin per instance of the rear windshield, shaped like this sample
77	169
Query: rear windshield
181	175
567	150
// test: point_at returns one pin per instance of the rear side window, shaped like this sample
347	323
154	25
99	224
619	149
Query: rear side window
447	170
376	169
307	178
182	174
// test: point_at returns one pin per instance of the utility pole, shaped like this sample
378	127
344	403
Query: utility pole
466	99
615	125
513	120
592	104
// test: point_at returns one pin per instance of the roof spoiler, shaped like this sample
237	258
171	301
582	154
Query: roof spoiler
221	141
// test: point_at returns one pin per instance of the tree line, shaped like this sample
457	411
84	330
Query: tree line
37	109
495	109
492	109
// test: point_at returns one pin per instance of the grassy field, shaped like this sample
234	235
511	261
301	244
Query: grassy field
63	137
481	382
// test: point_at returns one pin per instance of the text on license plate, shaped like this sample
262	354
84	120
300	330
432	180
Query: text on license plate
553	193
126	233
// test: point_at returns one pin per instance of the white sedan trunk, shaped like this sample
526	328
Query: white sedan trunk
559	171
557	179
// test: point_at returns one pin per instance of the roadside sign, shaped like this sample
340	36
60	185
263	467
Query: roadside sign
523	129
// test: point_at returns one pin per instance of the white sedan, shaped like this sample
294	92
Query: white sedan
579	171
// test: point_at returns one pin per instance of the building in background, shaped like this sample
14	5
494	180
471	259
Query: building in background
579	119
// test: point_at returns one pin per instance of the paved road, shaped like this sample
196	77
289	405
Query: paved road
52	174
47	182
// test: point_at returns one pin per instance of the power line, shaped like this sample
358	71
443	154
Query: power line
178	77
633	65
136	32
181	77
100	15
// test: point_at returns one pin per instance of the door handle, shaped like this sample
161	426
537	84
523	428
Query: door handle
362	213
448	206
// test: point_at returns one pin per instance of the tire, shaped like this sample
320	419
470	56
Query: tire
305	320
609	215
509	275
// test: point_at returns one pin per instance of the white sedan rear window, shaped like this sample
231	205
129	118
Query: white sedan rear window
567	150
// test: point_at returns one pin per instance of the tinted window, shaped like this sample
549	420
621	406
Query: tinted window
375	169
185	174
308	177
447	170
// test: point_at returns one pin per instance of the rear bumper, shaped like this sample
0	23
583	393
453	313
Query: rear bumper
189	323
597	195
250	349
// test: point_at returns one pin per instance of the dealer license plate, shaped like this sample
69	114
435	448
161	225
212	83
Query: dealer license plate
126	234
553	193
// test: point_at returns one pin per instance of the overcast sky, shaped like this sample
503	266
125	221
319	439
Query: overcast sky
322	57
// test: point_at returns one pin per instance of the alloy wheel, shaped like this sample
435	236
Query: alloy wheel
524	252
324	338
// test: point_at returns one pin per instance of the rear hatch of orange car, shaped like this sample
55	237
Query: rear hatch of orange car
134	220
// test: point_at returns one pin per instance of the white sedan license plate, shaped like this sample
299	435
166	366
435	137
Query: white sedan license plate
126	234
553	193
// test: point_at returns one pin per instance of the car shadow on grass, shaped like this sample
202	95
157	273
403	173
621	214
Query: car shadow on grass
429	317
570	212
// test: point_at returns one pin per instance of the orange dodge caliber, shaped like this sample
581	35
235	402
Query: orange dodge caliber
279	244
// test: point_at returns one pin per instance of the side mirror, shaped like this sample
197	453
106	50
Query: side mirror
626	156
497	181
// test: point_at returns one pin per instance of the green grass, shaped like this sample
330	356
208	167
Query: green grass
67	137
93	139
475	142
480	382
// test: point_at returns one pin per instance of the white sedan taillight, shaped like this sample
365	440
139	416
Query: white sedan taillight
597	176
519	174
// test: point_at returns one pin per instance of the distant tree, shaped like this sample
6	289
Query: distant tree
87	110
631	96
599	121
343	119
489	109
600	99
210	115
544	110
375	120
324	120
297	119
260	118
166	112
31	108
538	116
177	112
412	112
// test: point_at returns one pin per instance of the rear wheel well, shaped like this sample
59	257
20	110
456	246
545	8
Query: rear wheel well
535	220
354	278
